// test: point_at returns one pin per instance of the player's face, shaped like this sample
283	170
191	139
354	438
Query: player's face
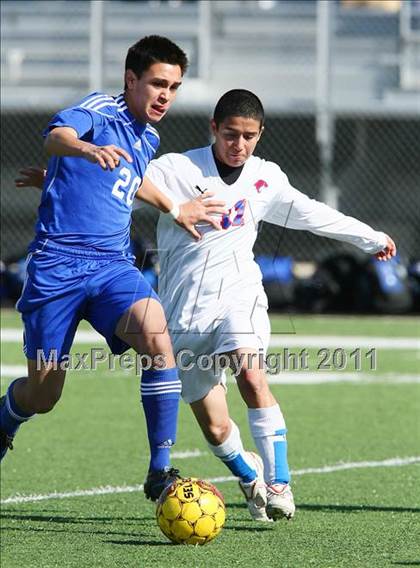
149	97
235	139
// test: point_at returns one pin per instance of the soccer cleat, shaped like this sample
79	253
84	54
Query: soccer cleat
280	501
158	480
255	492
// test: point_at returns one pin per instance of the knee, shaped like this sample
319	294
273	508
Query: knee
158	346
217	432
253	381
156	343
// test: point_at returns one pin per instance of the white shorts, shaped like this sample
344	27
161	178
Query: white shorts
194	349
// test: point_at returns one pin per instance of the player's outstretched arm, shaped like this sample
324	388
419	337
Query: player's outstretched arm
292	209
63	141
187	214
31	177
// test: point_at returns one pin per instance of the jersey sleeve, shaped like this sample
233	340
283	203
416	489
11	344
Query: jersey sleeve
293	209
86	122
159	172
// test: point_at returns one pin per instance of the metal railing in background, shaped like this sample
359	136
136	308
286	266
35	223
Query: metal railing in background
410	46
53	52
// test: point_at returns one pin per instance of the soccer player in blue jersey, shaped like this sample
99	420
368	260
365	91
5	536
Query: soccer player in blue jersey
79	266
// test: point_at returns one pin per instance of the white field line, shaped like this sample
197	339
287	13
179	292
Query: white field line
289	377
321	377
284	340
112	490
13	370
348	341
187	454
284	378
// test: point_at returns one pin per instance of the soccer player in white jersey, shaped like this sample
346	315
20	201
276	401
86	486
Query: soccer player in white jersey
213	296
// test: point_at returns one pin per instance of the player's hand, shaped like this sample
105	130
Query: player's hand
388	251
108	157
200	209
31	177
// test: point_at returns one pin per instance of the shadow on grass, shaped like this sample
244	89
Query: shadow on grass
50	517
139	542
407	563
86	524
66	530
250	528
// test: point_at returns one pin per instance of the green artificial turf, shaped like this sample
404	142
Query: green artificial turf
360	517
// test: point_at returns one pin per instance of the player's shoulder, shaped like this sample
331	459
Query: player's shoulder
197	155
194	161
103	103
184	165
186	159
266	168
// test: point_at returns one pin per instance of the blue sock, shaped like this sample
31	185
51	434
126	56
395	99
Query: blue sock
160	393
268	429
233	455
281	467
11	416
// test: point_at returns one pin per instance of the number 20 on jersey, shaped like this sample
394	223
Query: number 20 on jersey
123	182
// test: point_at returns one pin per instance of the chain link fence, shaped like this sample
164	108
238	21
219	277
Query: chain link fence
376	169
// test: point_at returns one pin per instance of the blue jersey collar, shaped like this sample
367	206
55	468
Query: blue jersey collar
128	116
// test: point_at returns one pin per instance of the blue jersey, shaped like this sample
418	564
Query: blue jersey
83	205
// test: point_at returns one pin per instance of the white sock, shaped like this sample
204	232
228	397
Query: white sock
268	429
233	455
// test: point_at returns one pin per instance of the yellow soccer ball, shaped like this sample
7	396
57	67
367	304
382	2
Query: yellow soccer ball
191	511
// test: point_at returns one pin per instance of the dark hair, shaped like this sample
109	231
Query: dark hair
239	102
154	49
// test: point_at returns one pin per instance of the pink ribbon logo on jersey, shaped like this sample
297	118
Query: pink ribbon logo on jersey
260	184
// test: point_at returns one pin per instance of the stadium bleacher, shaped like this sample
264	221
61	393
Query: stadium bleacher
45	46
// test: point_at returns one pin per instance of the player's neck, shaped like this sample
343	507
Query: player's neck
141	121
229	174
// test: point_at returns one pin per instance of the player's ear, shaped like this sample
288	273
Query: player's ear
213	126
261	132
130	78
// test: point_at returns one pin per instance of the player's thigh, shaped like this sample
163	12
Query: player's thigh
247	350
127	312
144	328
194	354
246	328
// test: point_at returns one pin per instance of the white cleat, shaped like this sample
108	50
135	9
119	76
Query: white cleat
280	501
255	492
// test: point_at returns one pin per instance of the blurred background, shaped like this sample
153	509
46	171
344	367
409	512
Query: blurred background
340	80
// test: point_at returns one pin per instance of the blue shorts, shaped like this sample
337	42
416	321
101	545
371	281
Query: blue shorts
66	285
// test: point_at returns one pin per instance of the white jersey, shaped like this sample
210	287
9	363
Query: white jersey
200	282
